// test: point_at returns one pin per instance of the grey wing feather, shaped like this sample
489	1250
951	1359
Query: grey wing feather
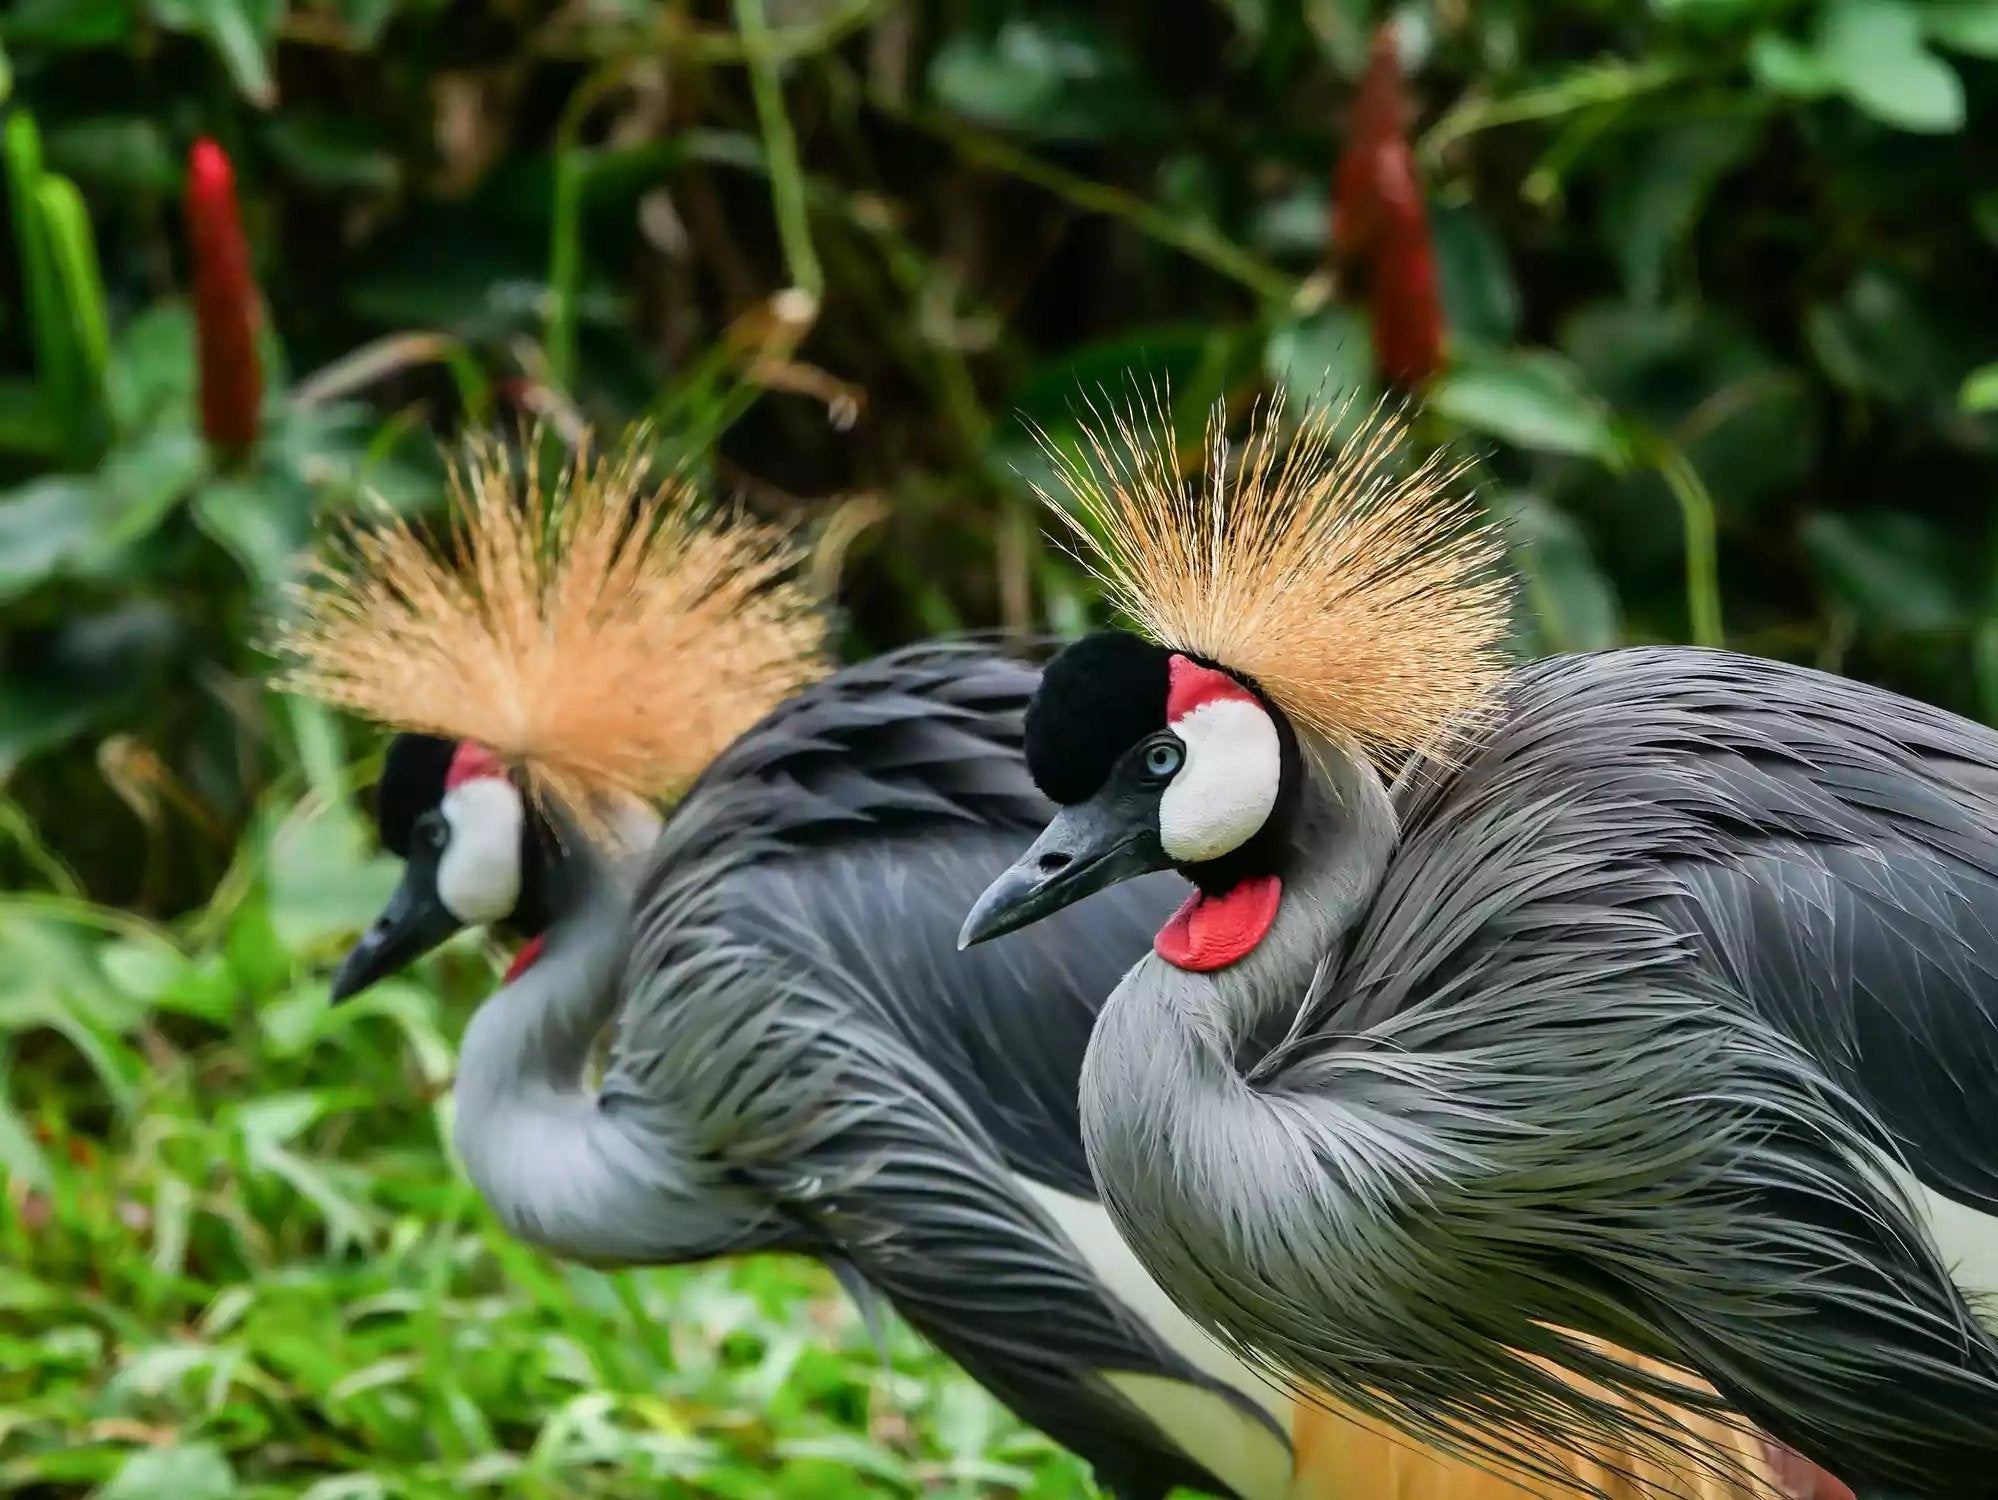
1837	857
1746	901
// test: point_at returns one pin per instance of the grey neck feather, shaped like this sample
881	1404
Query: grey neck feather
560	1166
1343	832
1168	1115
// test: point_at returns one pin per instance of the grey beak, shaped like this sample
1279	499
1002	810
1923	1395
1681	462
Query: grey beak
413	922
1087	848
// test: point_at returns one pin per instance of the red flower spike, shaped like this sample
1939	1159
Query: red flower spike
1380	114
1380	227
227	310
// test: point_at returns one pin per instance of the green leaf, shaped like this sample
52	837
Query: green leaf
1881	338
1963	25
63	524
365	18
69	25
1894	569
327	877
1293	226
1573	604
67	223
1480	297
1531	399
26	426
1874	49
263	520
153	367
240	31
1715	14
333	151
44	524
125	153
1984	214
21	1160
1653	202
1324	358
1786	67
56	356
88	671
1980	389
142	483
1052	80
184	1471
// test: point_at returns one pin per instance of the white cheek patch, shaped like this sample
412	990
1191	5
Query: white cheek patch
1226	789
478	874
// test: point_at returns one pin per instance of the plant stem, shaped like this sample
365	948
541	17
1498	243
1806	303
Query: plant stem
565	266
1696	516
780	148
1584	88
565	223
1196	240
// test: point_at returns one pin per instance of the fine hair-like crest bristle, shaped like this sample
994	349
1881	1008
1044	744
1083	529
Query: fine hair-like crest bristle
605	634
1354	581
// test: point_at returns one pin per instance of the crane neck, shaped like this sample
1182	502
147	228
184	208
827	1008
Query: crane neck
560	1170
1343	831
1171	1046
540	1028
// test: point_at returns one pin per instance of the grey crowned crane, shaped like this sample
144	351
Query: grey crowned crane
1657	1002
799	1058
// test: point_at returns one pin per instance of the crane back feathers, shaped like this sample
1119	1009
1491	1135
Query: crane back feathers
601	633
1351	581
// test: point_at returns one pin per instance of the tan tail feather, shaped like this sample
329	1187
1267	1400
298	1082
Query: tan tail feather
1340	1453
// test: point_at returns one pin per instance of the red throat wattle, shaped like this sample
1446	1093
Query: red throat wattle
1212	932
529	952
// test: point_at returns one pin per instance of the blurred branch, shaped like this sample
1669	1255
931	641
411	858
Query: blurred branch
780	148
1194	239
19	829
388	356
1584	88
677	39
686	42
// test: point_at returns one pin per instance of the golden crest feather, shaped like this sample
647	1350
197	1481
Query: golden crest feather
1356	584
605	634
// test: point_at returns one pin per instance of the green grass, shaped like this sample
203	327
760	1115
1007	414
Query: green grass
236	1258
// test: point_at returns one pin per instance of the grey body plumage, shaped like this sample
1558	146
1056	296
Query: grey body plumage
1650	1016
800	1060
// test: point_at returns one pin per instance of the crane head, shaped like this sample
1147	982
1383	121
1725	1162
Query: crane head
474	854
1157	761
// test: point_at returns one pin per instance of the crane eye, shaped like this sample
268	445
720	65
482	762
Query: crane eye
431	830
1163	758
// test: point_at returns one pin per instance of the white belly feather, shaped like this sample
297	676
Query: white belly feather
1228	1442
1968	1240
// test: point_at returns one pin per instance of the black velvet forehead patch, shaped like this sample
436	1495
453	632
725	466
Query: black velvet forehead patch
1097	698
412	783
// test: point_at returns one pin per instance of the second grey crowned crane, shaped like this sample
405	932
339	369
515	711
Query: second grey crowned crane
798	1059
1659	1002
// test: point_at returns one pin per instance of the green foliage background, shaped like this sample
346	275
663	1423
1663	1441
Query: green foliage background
1719	282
